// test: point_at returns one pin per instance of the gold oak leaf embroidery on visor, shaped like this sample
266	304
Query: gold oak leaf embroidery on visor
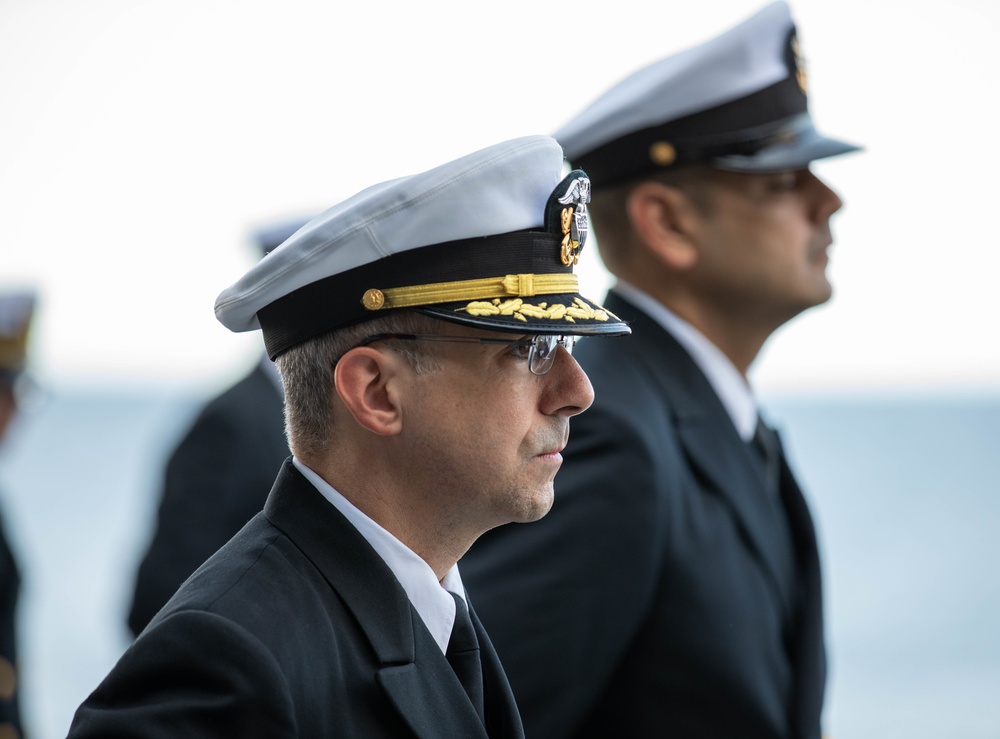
520	310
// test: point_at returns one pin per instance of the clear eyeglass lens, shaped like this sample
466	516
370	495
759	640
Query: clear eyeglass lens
543	351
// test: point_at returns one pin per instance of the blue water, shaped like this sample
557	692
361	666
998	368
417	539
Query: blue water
905	491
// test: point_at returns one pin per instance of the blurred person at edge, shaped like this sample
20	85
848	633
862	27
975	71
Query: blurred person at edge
16	310
675	588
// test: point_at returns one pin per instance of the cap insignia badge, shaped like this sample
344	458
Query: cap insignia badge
573	193
801	76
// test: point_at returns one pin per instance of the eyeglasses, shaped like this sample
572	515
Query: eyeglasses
538	349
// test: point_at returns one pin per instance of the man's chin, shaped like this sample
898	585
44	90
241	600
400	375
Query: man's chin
823	293
535	506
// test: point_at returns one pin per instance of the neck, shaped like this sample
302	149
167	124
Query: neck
741	342
397	507
739	337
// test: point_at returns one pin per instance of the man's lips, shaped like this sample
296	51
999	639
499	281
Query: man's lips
821	249
555	453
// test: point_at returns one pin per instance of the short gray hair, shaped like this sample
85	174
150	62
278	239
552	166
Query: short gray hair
307	374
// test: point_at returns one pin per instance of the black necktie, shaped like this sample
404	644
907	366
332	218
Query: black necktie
463	655
767	446
767	449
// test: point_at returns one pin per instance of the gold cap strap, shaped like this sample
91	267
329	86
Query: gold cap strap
522	286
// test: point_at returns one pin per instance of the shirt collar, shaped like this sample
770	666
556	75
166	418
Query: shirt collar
728	383
429	597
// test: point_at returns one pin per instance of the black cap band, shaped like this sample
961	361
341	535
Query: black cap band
336	301
699	137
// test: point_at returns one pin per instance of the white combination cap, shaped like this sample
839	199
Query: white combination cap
736	102
269	236
488	240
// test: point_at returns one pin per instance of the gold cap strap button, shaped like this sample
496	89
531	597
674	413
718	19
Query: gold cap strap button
662	153
373	299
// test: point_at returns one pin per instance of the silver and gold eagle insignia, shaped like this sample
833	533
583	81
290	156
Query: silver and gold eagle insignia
801	76
573	220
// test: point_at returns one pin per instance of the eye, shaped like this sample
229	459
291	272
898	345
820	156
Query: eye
785	181
521	349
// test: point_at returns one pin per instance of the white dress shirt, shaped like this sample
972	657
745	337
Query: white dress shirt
429	597
729	384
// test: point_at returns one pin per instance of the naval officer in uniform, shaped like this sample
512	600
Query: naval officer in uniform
422	331
674	589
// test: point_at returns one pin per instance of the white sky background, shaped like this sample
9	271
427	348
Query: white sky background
140	140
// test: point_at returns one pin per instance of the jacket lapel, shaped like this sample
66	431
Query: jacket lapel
414	673
426	697
708	437
806	649
502	716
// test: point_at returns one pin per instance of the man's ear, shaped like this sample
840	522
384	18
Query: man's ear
666	221
365	381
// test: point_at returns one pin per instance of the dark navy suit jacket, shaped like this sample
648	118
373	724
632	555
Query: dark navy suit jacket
666	593
295	628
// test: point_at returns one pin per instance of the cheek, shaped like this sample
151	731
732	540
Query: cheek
503	424
487	415
780	238
476	425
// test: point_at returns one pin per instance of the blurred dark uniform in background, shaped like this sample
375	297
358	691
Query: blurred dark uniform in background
219	475
16	309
